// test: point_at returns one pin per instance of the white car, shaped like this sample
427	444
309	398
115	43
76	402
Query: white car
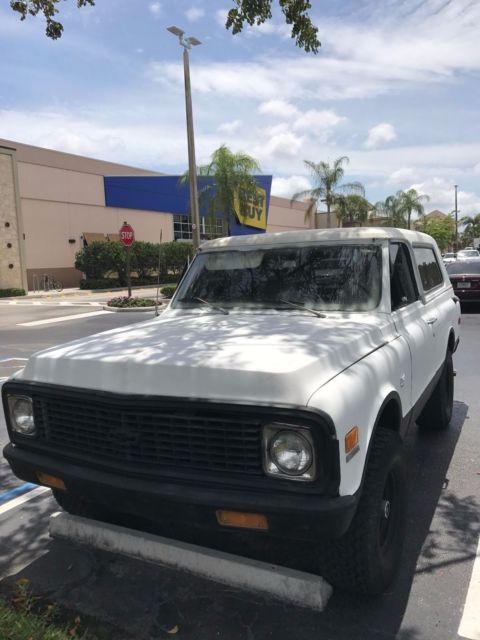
272	396
467	254
449	258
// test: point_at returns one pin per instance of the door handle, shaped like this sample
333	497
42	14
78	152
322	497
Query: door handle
432	320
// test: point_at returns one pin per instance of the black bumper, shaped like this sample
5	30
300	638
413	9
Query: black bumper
289	515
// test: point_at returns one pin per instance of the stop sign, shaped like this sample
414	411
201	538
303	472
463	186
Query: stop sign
127	237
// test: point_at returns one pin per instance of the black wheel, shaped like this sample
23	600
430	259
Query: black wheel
365	560
78	506
437	413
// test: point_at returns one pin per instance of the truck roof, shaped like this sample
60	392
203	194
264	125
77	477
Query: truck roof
318	235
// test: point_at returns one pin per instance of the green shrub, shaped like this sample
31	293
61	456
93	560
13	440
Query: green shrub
125	301
168	291
102	283
103	259
8	293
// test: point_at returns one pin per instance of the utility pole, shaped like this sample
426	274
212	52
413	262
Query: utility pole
187	44
456	220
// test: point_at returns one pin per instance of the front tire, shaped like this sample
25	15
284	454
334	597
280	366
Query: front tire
437	413
366	559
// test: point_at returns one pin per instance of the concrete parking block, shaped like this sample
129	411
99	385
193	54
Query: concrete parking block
288	585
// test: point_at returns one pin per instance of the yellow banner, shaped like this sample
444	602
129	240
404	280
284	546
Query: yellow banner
255	210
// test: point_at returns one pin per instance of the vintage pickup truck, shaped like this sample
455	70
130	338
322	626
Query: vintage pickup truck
272	396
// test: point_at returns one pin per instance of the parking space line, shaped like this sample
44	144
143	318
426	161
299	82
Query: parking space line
16	502
75	316
17	491
470	623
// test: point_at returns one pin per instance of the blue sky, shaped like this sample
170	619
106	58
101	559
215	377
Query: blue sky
394	87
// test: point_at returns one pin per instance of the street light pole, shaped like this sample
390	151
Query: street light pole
187	44
456	220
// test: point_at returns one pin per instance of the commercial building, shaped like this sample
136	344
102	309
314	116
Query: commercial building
53	203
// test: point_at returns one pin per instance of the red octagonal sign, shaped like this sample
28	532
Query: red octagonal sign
127	236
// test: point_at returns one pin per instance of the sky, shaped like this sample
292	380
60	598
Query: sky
395	87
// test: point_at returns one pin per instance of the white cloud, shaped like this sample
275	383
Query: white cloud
230	127
221	17
287	187
280	108
380	134
442	197
279	143
403	176
194	13
155	8
317	121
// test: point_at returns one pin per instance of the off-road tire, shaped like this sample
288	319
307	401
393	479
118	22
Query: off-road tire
437	413
365	559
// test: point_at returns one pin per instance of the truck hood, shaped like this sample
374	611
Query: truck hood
282	358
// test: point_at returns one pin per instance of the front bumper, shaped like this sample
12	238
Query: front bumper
289	515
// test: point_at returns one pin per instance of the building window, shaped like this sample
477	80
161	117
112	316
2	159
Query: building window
182	228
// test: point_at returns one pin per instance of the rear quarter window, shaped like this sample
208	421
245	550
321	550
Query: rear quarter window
430	272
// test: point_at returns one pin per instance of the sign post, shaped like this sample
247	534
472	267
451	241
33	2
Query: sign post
127	238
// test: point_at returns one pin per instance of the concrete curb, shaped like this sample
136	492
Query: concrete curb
127	309
295	587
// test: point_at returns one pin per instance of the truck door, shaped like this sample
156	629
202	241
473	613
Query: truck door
408	316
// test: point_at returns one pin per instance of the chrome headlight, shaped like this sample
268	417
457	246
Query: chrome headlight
21	415
288	452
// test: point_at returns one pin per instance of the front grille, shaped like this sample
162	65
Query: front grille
150	438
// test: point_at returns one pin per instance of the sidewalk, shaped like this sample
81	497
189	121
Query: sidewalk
149	290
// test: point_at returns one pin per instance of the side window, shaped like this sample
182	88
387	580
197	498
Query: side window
403	289
430	273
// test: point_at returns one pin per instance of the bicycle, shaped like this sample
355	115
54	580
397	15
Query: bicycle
51	284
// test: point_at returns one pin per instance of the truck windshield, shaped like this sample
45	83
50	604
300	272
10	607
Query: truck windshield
321	277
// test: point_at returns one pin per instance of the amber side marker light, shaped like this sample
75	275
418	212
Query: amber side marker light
242	520
51	481
351	443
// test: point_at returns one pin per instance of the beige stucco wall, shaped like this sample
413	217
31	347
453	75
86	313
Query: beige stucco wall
12	269
286	216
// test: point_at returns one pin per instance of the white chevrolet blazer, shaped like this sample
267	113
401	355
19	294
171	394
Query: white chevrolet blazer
272	396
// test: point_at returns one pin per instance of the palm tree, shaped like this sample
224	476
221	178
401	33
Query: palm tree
411	201
391	211
351	209
472	225
233	187
327	178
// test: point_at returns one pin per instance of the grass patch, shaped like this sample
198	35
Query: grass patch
124	301
24	616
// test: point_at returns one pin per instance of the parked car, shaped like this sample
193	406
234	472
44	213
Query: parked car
272	397
465	278
466	254
449	257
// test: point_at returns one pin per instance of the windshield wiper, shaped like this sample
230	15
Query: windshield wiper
212	306
301	306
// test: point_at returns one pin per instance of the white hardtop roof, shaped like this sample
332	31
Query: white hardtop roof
318	235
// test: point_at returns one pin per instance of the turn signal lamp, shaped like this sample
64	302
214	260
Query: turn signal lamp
351	443
50	481
242	520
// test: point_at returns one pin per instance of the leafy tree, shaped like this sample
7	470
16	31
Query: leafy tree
441	229
233	179
391	211
250	11
259	11
471	228
146	258
351	209
327	188
411	201
54	29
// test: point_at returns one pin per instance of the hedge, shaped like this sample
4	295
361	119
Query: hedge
168	291
114	283
105	260
9	293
